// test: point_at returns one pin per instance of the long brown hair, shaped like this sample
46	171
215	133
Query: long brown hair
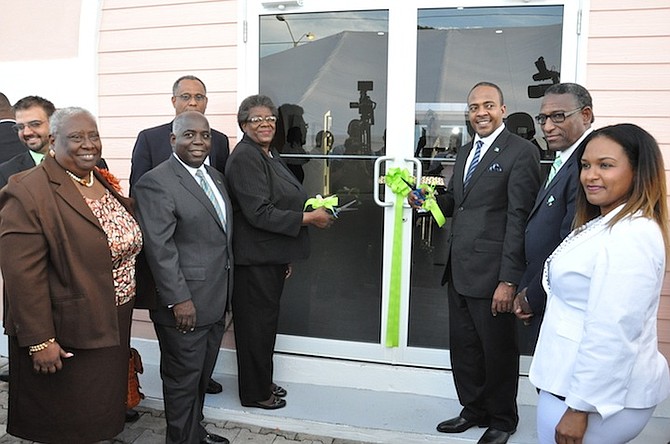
649	192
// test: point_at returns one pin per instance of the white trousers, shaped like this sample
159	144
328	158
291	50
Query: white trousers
617	429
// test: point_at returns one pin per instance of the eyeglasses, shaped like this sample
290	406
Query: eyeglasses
258	120
79	138
558	117
188	97
32	125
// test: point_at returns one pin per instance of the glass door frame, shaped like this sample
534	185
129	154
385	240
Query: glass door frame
402	56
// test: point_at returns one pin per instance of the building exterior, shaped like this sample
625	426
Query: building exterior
401	70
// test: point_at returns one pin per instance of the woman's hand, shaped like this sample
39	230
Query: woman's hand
184	316
320	218
572	427
50	359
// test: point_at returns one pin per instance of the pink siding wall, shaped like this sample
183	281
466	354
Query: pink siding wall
144	46
628	73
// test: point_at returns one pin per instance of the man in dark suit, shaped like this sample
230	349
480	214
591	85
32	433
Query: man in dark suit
565	116
489	197
152	146
186	217
10	145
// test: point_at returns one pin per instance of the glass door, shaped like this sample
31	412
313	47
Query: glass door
356	81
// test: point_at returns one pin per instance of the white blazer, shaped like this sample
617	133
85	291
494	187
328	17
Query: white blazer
598	345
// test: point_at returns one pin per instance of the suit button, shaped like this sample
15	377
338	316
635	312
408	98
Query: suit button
460	208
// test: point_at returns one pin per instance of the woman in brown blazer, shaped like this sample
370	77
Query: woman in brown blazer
68	243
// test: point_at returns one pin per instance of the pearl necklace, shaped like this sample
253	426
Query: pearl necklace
87	183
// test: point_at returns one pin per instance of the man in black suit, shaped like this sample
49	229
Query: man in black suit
186	218
565	116
32	122
489	196
10	145
152	146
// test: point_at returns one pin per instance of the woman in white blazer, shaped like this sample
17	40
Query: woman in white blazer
597	363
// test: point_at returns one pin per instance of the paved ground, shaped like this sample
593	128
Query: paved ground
150	428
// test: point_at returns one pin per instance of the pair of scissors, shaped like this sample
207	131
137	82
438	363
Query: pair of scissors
415	191
345	207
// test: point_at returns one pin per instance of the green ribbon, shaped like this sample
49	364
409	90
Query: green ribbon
328	203
394	180
430	204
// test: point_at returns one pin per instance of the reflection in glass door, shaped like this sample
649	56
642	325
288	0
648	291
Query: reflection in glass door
456	48
327	74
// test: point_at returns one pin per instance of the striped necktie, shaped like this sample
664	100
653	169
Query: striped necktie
210	195
474	163
554	169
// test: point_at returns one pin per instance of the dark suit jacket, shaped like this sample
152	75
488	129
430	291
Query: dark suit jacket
486	242
152	148
187	249
55	261
550	221
267	207
10	145
16	164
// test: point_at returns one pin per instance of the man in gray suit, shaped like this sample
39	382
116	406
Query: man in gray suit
496	177
185	214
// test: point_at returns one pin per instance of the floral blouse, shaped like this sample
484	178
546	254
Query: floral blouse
125	242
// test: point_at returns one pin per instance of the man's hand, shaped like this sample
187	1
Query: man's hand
184	316
572	427
50	359
503	299
522	308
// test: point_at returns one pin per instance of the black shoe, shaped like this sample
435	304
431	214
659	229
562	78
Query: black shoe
276	403
4	377
213	387
132	415
211	438
279	391
495	436
457	425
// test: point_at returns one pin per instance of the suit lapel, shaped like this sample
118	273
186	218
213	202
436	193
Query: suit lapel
189	183
224	193
491	154
67	191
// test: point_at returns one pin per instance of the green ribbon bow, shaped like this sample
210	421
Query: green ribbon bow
328	203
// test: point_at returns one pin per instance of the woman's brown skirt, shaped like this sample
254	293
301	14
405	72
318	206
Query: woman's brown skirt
82	403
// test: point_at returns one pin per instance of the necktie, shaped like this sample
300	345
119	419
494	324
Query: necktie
474	163
210	194
554	169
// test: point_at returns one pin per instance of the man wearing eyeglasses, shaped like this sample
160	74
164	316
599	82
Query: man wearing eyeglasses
565	117
32	127
152	146
10	145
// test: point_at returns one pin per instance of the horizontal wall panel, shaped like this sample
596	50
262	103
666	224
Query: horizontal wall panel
626	50
630	103
218	80
627	5
169	59
637	77
128	127
638	23
109	5
168	37
218	103
163	14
